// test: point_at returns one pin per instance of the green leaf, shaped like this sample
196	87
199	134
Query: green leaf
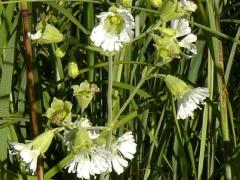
68	15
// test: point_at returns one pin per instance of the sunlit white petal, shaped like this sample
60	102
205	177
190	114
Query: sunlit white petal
191	101
28	155
123	148
189	5
184	36
36	35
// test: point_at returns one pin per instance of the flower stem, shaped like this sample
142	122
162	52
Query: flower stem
109	103
32	80
109	99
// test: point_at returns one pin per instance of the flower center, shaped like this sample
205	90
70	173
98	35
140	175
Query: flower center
59	116
114	24
116	20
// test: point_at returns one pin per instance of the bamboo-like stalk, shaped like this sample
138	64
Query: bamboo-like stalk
31	80
217	53
89	24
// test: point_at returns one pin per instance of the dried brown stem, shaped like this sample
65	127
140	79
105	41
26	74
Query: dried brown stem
31	81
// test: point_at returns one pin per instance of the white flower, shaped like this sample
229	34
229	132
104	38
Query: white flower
124	148
190	101
115	29
184	31
28	155
188	5
89	162
35	36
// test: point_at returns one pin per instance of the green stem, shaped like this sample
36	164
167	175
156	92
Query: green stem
109	99
109	104
89	13
217	53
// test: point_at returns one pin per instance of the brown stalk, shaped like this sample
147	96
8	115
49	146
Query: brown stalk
31	82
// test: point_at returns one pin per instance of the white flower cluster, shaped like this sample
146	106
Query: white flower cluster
90	161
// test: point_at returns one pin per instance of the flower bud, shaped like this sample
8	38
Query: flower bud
156	3
176	86
50	34
61	51
72	70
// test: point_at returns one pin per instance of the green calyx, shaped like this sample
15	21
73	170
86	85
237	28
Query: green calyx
59	112
167	47
80	139
176	86
84	93
43	141
50	34
171	10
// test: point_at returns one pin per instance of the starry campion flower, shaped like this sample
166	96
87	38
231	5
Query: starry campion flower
190	101
189	98
115	28
79	125
91	156
30	152
123	148
28	155
90	159
188	5
183	31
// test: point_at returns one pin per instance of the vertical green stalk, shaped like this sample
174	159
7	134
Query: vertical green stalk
211	147
89	22
218	60
109	105
109	99
32	80
59	68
